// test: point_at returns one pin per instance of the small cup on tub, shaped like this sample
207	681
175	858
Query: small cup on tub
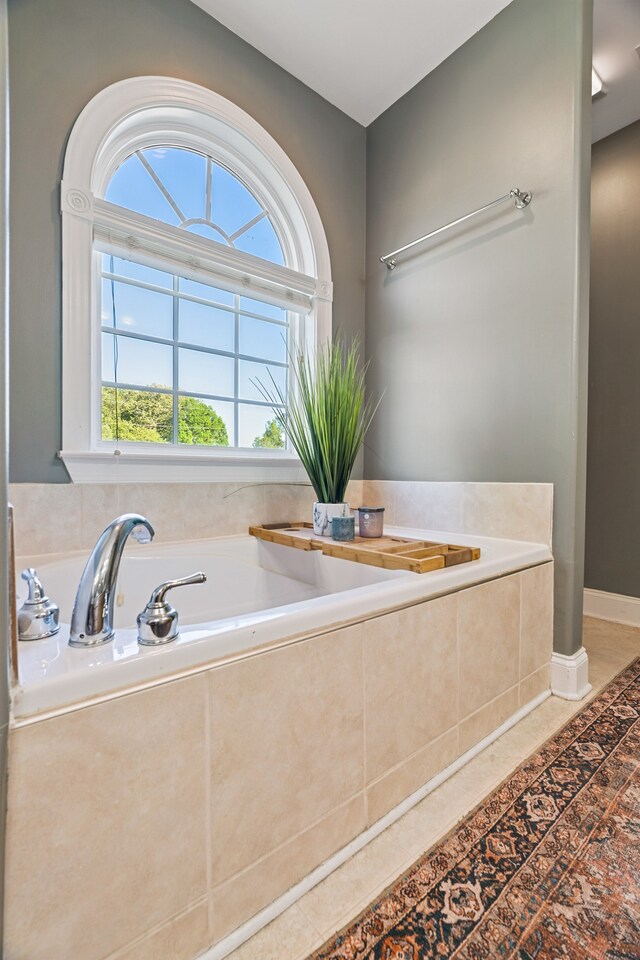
343	528
370	521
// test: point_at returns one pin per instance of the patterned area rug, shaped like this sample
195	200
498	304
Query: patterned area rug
546	868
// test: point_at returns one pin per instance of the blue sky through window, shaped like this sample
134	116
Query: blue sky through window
133	188
190	338
179	186
232	205
183	173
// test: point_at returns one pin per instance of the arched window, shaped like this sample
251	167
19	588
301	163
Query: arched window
194	263
190	190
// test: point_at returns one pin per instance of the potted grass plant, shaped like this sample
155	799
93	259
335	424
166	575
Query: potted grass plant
325	416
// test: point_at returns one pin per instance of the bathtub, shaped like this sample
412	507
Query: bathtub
258	595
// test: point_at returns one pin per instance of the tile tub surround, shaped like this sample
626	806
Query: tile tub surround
515	511
52	518
184	784
337	900
59	517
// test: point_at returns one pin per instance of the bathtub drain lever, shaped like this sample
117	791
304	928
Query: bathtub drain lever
158	622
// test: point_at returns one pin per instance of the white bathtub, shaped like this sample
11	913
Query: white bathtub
257	595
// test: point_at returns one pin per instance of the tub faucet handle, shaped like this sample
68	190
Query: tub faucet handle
38	615
158	622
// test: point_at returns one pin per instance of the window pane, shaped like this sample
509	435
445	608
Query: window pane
205	422
249	371
259	338
184	175
232	204
139	362
133	187
257	427
206	326
205	373
137	309
205	292
261	241
263	309
136	271
138	415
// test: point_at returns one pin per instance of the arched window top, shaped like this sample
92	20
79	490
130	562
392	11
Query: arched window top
194	262
192	191
140	113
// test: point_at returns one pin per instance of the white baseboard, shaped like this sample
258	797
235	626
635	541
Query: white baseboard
612	606
239	936
570	675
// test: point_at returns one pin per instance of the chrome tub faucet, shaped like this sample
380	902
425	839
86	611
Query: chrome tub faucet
92	618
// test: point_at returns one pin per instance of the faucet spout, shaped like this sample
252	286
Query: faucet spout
92	618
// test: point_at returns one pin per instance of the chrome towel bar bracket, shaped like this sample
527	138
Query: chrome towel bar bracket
521	198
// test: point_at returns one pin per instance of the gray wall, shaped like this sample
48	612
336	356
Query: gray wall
613	466
480	339
62	52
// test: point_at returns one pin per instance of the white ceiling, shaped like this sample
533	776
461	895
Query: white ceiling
616	33
361	55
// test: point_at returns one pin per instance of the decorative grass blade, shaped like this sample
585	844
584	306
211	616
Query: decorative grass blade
327	414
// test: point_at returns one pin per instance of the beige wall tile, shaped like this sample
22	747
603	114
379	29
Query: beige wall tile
288	502
13	610
182	938
222	509
247	893
516	511
409	776
165	505
54	518
59	517
436	506
481	723
286	744
410	681
381	493
535	684
99	507
355	493
488	641
536	618
48	517
106	823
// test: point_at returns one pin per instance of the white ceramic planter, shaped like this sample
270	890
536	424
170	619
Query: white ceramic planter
323	514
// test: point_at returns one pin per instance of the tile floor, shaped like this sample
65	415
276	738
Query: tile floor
338	899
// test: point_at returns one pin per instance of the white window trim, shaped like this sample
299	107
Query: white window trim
130	115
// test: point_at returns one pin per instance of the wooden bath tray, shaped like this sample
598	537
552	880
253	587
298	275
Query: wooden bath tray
392	553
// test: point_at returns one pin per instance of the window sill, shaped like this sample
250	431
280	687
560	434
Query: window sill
139	466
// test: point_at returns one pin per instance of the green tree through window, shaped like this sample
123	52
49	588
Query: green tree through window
146	416
272	436
199	423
